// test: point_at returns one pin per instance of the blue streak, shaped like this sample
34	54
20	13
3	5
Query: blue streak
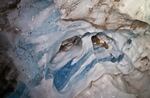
63	75
88	67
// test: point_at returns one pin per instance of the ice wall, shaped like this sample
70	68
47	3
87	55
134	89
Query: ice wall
80	48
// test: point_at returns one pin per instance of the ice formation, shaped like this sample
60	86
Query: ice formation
75	48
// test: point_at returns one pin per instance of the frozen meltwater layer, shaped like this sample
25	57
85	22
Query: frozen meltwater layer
82	49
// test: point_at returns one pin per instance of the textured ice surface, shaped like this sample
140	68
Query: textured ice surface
80	48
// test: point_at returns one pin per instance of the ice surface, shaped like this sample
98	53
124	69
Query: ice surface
81	48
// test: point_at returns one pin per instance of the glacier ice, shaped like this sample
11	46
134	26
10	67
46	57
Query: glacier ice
77	48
